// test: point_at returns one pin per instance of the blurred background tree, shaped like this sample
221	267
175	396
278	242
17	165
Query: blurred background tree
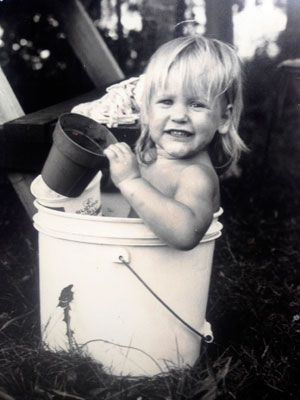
36	57
43	70
289	40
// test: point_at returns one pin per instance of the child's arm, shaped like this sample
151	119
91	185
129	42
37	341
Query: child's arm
180	222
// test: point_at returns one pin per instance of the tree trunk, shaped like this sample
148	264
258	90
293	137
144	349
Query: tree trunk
289	40
219	23
93	8
180	16
293	16
159	21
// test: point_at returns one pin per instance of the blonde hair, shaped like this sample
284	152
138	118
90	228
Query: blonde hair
206	66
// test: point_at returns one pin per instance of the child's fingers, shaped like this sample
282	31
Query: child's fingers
122	148
110	152
118	150
123	163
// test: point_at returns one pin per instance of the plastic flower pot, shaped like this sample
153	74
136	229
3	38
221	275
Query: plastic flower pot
76	154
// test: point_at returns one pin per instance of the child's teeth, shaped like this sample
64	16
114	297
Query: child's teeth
179	133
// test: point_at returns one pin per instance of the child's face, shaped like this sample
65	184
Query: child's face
180	124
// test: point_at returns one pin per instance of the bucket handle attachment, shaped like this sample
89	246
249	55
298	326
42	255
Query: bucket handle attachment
119	255
207	335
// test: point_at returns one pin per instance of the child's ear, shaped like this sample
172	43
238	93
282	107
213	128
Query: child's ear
226	120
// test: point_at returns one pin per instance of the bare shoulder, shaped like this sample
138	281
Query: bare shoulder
199	181
202	176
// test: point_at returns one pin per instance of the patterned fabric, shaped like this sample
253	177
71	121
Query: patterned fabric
119	106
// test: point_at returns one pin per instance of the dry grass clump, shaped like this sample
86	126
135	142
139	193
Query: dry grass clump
32	372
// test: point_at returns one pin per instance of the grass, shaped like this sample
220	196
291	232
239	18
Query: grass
254	302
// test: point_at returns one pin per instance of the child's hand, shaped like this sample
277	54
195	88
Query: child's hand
123	163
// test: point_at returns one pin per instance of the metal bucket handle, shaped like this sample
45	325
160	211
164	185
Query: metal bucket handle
206	334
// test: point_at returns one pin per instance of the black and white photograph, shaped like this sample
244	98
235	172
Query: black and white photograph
149	199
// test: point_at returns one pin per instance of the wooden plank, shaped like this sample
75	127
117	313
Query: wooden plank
27	147
21	183
26	141
51	113
23	157
87	42
10	108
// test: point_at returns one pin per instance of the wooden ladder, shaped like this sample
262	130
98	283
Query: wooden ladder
26	139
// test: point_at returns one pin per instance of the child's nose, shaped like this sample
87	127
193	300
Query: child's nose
179	114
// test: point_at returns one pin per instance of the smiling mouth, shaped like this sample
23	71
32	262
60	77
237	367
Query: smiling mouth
178	133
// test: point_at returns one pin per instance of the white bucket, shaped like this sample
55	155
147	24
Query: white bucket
89	202
112	316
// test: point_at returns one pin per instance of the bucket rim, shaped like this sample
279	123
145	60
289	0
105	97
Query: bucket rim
106	229
102	218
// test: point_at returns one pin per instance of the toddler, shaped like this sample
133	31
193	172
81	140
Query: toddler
191	99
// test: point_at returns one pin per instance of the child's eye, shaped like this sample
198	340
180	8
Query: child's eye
166	102
197	105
